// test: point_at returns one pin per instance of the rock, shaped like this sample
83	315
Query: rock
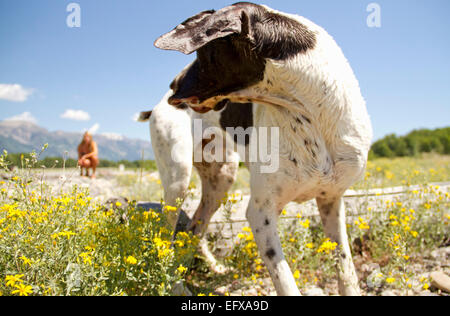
117	205
314	291
374	280
440	281
388	293
369	268
251	292
427	293
179	289
221	291
440	254
272	293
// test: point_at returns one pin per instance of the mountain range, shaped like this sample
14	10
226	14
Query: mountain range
24	137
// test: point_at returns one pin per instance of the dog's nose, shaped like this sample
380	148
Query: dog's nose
190	101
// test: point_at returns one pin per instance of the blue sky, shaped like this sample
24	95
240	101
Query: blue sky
109	69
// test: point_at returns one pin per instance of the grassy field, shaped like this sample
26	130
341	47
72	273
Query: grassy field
69	244
380	173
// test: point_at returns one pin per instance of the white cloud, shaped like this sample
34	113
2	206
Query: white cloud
14	92
24	117
76	115
94	128
113	136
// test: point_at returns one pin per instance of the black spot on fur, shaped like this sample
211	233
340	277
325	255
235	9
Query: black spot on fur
221	105
238	115
271	253
306	119
279	190
326	209
182	106
267	222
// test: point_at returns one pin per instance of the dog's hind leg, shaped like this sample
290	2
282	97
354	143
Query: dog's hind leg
332	212
217	179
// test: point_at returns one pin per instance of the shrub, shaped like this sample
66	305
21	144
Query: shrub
416	142
55	243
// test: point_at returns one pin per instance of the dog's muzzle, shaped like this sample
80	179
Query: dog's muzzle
193	102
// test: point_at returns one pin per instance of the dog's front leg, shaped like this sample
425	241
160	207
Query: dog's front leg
263	221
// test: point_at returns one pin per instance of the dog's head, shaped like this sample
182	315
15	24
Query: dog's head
233	46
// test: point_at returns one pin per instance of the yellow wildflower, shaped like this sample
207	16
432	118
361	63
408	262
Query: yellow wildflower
25	260
131	260
181	269
327	246
390	280
23	290
306	223
12	279
170	208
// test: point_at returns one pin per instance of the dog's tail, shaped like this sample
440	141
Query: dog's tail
144	116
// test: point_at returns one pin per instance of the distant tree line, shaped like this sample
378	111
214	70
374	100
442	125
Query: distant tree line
19	160
413	144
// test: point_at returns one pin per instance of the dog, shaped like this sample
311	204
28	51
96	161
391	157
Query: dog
174	146
303	85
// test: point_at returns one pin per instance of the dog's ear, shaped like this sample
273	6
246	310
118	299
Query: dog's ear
203	28
271	34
